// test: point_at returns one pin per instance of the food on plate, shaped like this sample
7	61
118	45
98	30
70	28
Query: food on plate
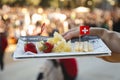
30	47
78	46
90	47
56	38
62	46
40	45
58	42
47	47
83	46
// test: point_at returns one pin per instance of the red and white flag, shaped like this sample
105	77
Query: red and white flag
84	30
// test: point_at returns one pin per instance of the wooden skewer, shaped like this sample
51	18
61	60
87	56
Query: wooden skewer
42	28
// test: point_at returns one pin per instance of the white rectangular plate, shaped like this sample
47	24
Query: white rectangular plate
100	49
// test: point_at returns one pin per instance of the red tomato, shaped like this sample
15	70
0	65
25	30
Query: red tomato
30	47
48	47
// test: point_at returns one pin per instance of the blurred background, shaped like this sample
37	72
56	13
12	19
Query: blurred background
25	17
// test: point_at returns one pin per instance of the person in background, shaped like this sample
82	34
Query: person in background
116	20
116	25
105	25
3	43
69	68
52	28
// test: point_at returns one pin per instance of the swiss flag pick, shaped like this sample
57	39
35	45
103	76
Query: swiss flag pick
84	30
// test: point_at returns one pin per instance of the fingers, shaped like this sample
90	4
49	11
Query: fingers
70	34
73	29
